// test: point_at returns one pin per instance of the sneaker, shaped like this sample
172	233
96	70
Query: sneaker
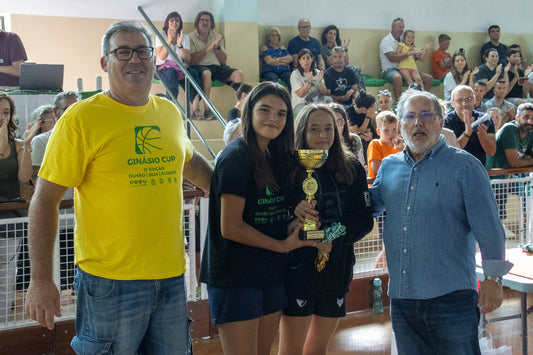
209	115
196	115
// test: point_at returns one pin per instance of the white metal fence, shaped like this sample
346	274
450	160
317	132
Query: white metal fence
514	197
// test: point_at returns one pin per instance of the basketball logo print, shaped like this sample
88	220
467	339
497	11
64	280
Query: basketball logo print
146	139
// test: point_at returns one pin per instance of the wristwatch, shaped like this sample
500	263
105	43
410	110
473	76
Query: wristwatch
495	278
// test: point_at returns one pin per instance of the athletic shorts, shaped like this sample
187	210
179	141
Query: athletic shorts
218	72
239	304
324	306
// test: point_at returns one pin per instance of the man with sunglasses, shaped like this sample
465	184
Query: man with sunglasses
479	141
432	194
125	152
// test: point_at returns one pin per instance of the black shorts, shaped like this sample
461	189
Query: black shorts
218	72
324	306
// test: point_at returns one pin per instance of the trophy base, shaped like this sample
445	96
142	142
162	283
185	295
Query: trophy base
312	235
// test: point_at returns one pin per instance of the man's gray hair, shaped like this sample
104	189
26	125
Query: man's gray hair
65	95
337	49
526	106
405	99
125	26
459	88
41	111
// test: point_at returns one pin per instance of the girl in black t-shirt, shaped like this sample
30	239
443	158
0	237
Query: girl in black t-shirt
244	261
316	296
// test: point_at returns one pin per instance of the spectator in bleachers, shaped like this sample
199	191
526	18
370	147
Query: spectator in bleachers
389	142
352	141
496	116
341	82
276	59
317	292
407	66
491	71
15	168
384	101
459	74
440	59
494	43
518	83
480	141
208	57
499	101
240	96
523	64
363	124
480	89
15	154
331	39
390	59
38	144
167	68
304	40
307	82
514	141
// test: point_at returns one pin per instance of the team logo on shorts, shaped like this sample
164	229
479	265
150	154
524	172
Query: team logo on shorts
301	303
146	138
340	301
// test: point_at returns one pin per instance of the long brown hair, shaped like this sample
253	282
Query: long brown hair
11	126
458	77
280	150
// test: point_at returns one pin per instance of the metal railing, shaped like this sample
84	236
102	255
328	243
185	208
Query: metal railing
189	80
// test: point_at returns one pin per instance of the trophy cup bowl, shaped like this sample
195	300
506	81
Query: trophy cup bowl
311	159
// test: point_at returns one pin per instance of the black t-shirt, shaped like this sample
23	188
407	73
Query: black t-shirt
343	210
233	114
340	82
226	263
453	122
516	91
486	73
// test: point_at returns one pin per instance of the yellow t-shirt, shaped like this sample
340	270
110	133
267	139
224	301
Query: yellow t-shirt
409	62
126	165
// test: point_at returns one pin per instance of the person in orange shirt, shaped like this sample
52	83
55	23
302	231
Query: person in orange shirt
389	142
441	59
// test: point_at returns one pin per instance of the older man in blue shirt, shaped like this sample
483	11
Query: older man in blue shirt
432	194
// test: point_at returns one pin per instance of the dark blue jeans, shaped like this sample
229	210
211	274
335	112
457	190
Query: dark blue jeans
442	325
285	76
170	77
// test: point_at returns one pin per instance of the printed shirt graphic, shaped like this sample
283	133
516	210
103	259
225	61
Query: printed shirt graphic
126	164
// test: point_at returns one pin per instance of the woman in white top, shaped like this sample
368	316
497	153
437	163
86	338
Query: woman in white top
458	75
307	82
167	68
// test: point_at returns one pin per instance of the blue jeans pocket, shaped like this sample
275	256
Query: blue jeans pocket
98	287
86	346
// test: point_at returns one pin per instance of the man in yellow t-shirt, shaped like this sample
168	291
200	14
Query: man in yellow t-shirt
125	152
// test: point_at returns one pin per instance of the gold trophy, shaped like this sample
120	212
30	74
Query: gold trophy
311	159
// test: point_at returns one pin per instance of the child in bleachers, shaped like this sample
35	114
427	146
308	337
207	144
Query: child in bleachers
389	142
407	66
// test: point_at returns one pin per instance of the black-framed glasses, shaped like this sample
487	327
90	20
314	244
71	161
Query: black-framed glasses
126	53
425	117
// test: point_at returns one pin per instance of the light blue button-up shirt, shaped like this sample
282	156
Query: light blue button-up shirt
437	208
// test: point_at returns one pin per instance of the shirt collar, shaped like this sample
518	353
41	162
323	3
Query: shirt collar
429	153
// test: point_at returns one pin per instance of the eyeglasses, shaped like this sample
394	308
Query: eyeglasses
206	20
49	120
127	53
425	117
305	26
384	92
467	100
